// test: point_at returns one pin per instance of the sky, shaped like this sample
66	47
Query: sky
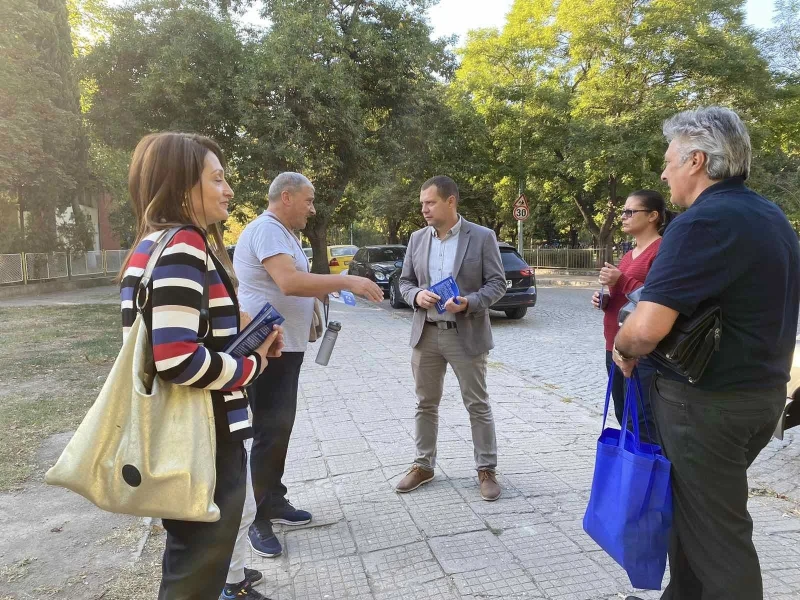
459	16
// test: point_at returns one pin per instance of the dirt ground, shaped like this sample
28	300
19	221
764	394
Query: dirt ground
53	543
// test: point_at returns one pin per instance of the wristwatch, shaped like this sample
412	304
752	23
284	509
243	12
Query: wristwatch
621	356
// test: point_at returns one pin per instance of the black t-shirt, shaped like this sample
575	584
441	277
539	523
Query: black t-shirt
738	249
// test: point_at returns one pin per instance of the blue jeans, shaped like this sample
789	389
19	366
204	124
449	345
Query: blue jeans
647	370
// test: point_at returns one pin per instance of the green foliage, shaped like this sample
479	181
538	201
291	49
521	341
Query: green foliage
574	92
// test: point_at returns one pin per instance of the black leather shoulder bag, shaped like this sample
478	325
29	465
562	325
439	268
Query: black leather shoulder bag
690	344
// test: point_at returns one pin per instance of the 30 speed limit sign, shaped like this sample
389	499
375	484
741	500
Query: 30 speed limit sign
521	208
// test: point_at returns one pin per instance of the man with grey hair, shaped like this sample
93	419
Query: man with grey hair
271	267
733	248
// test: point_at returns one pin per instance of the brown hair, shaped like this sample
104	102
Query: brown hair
654	202
445	187
164	169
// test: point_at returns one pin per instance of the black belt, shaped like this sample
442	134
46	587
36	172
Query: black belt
442	324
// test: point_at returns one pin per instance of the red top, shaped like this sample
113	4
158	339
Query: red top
634	272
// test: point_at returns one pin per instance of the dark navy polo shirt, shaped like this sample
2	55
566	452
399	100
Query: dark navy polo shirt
738	249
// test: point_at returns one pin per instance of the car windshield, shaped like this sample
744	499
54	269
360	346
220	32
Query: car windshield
386	254
511	260
344	251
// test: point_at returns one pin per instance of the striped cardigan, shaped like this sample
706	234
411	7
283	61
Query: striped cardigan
173	320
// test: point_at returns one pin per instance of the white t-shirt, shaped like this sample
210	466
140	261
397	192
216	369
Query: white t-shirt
263	238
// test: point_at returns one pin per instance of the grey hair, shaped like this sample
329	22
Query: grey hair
286	181
718	133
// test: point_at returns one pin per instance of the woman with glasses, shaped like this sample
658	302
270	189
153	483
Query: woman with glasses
644	218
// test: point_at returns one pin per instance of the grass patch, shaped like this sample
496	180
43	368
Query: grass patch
53	362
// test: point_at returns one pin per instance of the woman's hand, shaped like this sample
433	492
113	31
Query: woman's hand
609	275
596	300
244	319
271	347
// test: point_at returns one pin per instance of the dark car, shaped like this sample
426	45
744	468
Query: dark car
231	249
520	285
377	263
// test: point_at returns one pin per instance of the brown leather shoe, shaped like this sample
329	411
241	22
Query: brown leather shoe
490	489
416	476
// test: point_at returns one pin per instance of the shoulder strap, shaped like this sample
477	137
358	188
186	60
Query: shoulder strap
144	282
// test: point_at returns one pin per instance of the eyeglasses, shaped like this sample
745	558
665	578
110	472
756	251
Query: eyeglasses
628	213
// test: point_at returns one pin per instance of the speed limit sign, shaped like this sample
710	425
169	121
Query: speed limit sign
521	213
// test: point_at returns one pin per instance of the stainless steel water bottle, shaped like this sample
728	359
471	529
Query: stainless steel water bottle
328	342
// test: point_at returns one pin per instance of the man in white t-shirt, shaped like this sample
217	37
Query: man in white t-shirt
271	267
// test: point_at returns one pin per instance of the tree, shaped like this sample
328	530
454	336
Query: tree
323	92
579	90
42	143
776	139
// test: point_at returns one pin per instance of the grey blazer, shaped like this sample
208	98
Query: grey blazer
478	271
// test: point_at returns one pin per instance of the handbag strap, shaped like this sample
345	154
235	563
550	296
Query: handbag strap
144	282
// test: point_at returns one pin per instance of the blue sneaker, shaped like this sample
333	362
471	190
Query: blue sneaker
286	514
263	541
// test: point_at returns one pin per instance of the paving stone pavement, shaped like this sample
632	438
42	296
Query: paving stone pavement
353	440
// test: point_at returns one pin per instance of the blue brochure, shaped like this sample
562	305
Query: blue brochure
343	296
445	289
252	336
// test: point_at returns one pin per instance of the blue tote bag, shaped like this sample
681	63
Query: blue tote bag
630	508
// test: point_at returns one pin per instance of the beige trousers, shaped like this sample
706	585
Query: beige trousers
436	349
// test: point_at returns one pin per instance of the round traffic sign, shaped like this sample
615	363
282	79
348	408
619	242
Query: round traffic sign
520	213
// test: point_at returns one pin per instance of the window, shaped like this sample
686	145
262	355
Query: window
511	260
386	254
360	255
344	251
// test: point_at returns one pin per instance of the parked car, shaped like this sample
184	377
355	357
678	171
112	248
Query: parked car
520	285
309	255
339	258
231	249
377	263
791	414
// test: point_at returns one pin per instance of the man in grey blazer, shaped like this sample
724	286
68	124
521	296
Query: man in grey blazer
461	336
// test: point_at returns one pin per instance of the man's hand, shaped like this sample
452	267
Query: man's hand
626	365
366	288
609	275
426	299
451	307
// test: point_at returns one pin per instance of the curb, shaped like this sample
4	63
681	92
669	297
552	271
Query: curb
565	283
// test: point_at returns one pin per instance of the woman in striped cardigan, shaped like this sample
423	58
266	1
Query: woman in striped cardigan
178	179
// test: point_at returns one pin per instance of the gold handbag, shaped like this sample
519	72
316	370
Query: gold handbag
146	447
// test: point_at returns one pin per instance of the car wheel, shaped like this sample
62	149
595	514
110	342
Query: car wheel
395	299
516	313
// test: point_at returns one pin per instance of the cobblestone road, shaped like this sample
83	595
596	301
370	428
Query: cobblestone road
353	441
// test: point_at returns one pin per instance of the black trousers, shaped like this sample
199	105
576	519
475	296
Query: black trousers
273	400
647	424
197	555
711	438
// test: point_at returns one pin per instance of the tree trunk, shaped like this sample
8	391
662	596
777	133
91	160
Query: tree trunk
394	229
317	233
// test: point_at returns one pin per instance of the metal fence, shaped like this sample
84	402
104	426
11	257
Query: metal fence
46	266
11	268
569	258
